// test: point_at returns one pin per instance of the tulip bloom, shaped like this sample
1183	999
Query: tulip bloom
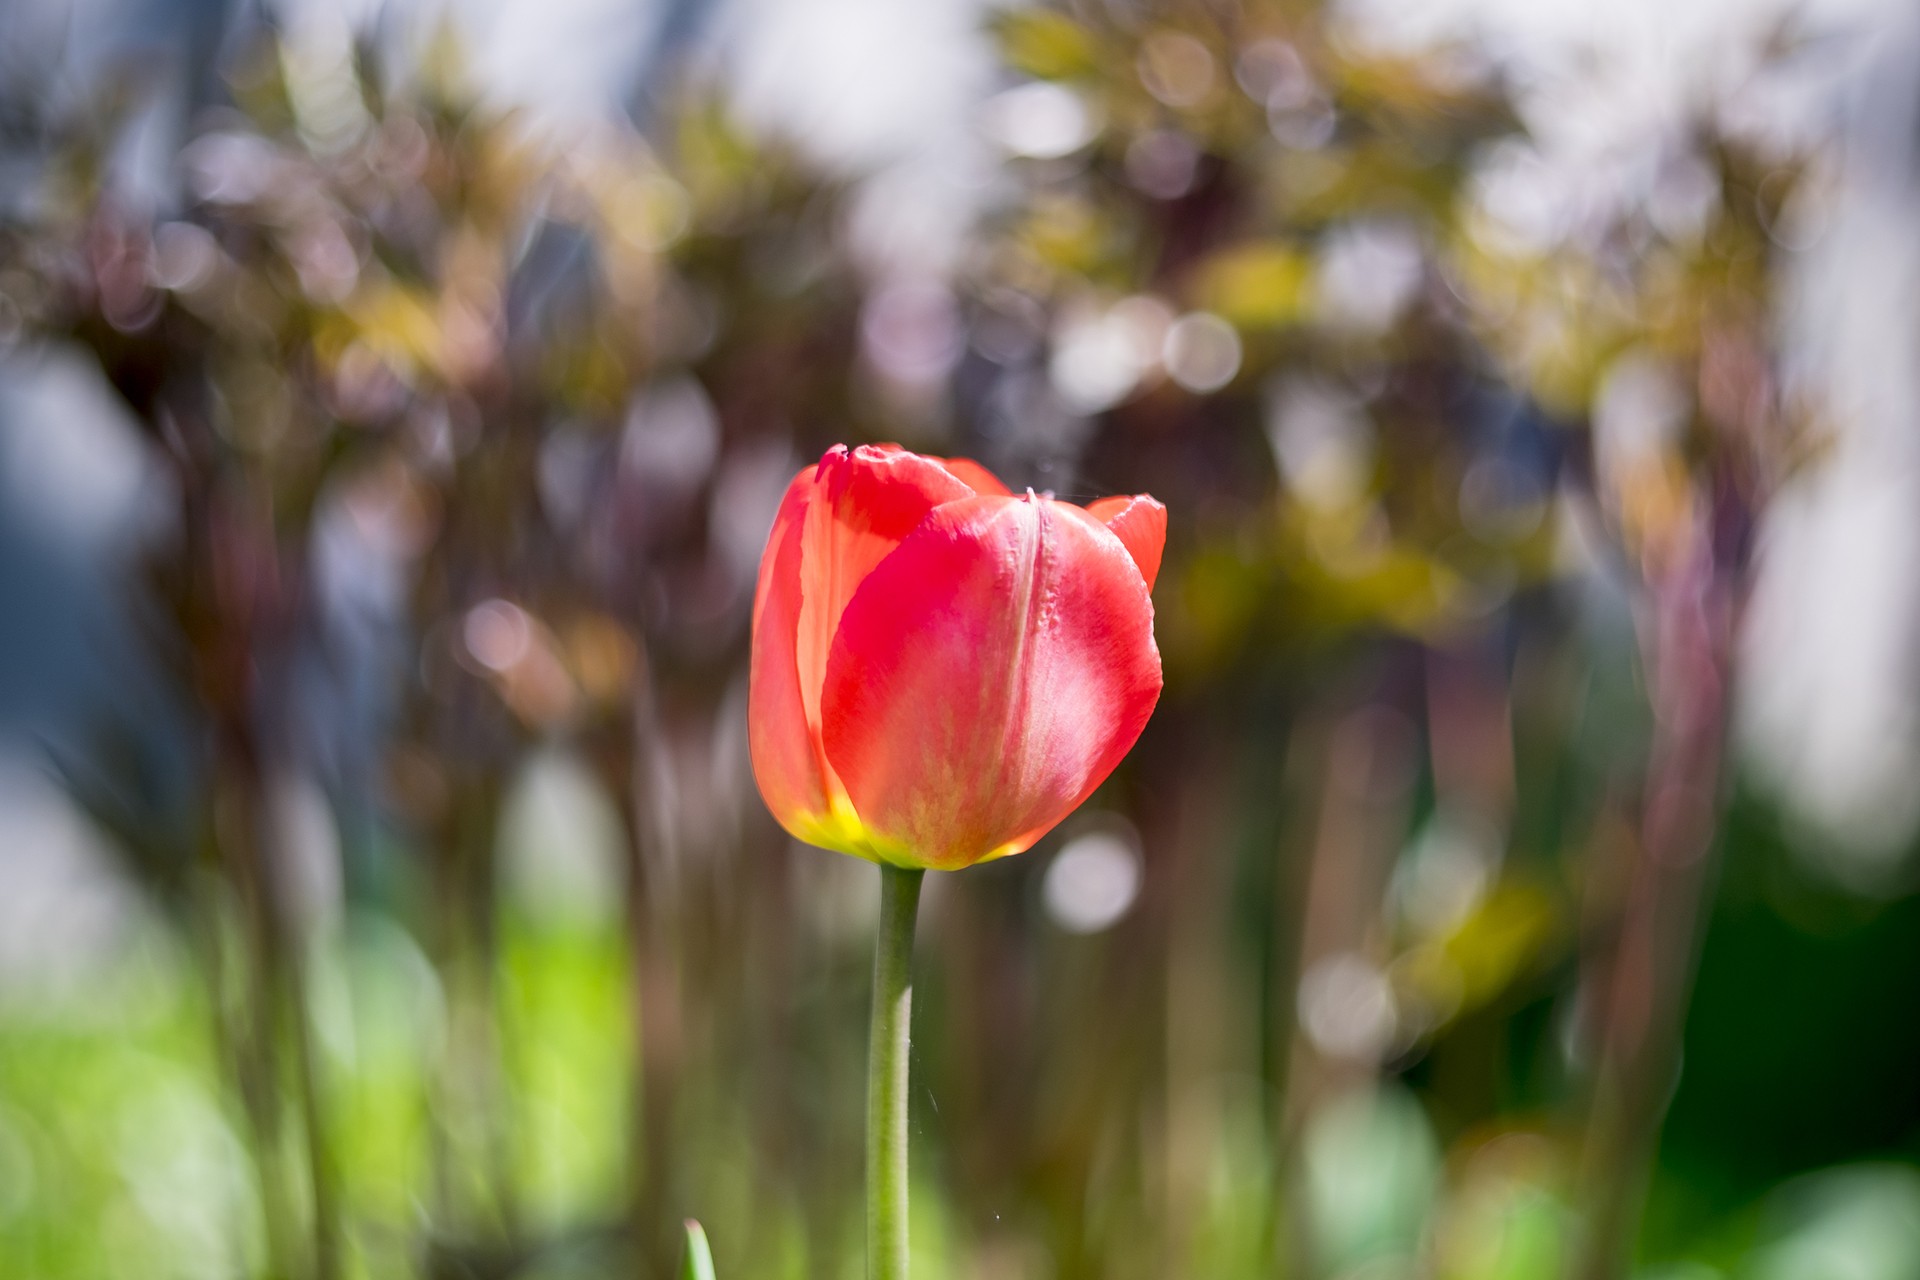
943	671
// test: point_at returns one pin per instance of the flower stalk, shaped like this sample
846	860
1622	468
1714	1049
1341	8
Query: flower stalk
888	1040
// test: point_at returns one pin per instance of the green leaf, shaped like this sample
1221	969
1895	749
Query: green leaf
698	1264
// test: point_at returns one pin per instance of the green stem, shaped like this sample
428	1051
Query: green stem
887	1075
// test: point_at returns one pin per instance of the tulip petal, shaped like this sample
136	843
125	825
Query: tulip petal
787	761
864	502
977	477
987	676
838	519
1141	524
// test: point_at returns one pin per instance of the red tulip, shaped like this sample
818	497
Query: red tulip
943	671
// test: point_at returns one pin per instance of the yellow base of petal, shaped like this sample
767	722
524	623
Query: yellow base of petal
841	830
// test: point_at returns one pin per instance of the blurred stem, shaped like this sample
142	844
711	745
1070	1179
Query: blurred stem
887	1042
654	994
1653	962
313	1115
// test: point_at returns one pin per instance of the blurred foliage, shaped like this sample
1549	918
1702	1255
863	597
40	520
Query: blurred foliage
465	949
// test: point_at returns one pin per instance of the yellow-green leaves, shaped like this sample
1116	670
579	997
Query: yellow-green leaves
1261	285
1047	45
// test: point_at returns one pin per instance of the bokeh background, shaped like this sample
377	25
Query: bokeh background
1517	880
